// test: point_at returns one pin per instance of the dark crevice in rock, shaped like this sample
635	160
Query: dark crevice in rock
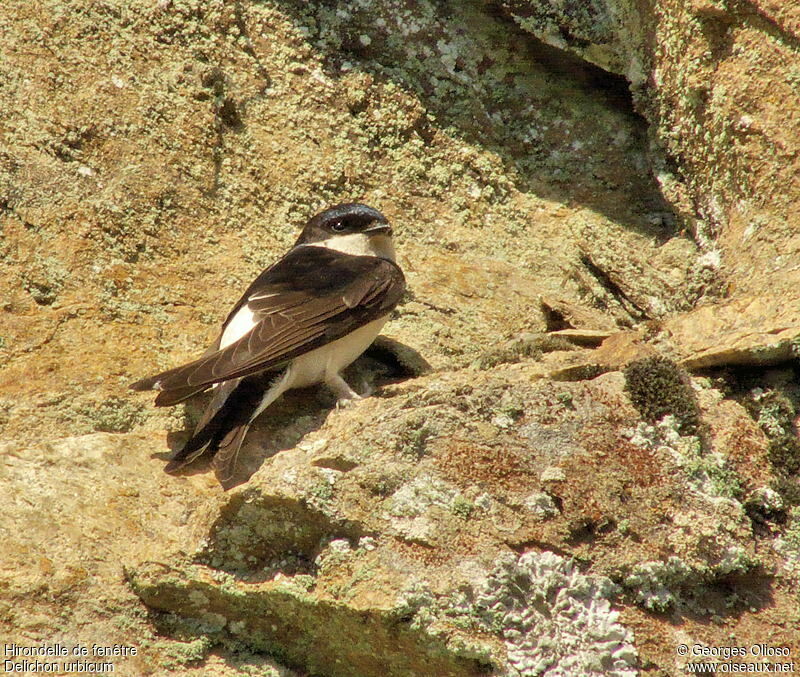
241	24
587	531
609	284
614	87
536	545
396	360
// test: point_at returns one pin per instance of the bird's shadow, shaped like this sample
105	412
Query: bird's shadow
299	412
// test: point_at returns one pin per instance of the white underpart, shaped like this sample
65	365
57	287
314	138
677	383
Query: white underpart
322	365
360	244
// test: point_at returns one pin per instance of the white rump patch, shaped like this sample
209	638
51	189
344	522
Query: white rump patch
240	324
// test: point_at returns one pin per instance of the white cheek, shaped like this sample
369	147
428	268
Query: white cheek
240	324
354	243
383	246
359	244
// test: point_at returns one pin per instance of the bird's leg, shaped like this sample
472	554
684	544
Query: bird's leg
344	393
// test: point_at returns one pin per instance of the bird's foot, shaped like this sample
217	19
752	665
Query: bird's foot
345	402
345	395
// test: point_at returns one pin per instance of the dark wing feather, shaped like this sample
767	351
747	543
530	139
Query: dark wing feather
311	297
167	398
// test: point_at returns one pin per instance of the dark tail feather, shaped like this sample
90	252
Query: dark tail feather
223	427
169	396
228	454
166	398
178	394
144	384
190	451
209	429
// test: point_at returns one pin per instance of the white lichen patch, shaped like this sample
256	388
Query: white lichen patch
410	507
707	472
555	620
541	505
417	497
654	582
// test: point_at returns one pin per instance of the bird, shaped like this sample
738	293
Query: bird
299	323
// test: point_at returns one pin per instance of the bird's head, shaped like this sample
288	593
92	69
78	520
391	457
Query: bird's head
350	228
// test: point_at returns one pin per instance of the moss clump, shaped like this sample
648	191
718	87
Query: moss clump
658	387
462	507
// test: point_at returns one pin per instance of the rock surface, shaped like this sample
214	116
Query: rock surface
499	506
717	80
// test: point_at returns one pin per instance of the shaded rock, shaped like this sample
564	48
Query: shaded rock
732	137
405	360
303	628
600	31
563	315
161	155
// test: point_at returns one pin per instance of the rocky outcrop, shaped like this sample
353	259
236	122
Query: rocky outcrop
515	498
717	81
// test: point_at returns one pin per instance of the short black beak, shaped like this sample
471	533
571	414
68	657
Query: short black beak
378	227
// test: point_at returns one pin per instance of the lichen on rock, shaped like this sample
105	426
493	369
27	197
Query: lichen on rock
554	619
555	223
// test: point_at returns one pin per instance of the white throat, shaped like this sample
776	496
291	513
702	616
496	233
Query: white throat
360	244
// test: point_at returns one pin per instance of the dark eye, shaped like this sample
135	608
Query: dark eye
338	226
